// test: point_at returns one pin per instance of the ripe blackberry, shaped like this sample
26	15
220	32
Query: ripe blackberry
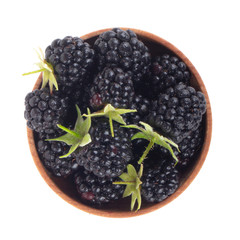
167	71
122	49
113	86
105	156
43	111
97	190
188	147
49	153
72	60
142	105
177	112
159	181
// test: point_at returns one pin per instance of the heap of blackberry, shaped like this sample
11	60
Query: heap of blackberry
115	76
43	111
123	49
113	86
177	112
105	156
97	190
72	59
167	71
159	181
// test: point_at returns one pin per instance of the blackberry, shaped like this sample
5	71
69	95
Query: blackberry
113	86
122	49
177	112
49	153
188	147
72	60
43	111
97	190
167	71
142	105
105	156
159	181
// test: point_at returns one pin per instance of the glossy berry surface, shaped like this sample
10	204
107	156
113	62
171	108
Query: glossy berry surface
177	112
113	86
43	111
122	49
72	59
50	152
167	71
105	156
188	147
159	181
97	190
142	105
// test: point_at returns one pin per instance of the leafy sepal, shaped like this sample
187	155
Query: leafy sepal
113	114
79	136
132	180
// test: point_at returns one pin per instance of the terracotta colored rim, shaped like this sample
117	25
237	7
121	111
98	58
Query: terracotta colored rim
198	165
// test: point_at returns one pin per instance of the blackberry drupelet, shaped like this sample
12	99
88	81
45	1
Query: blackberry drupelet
177	112
167	71
97	190
72	59
105	156
159	181
43	111
123	49
113	86
49	154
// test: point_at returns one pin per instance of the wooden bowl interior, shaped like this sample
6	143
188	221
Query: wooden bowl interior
65	187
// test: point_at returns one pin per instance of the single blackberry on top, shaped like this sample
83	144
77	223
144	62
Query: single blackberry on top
122	49
43	111
113	86
167	71
177	112
72	59
105	156
159	180
50	152
97	190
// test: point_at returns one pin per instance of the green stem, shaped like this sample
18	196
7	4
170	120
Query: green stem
69	131
111	125
125	183
150	145
37	71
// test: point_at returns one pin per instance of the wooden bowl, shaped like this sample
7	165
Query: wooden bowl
64	188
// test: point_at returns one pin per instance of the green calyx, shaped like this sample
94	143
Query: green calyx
132	180
154	138
79	136
47	70
113	114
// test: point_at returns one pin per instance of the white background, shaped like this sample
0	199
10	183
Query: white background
207	33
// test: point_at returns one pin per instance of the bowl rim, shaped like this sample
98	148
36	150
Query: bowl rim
187	182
